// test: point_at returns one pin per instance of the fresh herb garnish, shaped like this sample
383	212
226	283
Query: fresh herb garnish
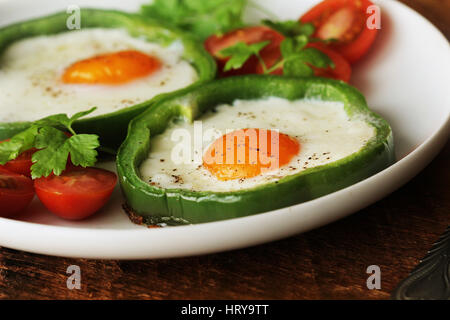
201	17
53	144
290	28
241	52
296	59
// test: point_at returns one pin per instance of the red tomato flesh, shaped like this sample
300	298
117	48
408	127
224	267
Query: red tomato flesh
21	164
342	69
77	193
249	35
346	22
270	54
16	192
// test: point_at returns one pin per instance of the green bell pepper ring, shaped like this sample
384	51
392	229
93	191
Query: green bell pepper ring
177	206
111	127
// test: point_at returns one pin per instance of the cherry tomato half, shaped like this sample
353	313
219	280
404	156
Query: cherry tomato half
346	22
16	192
249	35
21	164
77	193
341	71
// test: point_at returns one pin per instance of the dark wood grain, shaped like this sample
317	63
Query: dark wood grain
327	263
437	11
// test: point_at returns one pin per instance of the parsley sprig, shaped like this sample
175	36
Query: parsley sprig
290	28
200	17
241	52
296	59
53	144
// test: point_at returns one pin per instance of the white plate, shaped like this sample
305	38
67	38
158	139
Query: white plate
405	78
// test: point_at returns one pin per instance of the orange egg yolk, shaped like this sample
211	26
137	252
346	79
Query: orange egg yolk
112	68
247	153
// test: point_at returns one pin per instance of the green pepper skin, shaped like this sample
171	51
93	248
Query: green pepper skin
177	206
111	127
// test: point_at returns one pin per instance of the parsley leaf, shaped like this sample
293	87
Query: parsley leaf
297	59
292	46
54	146
55	149
290	28
316	58
61	120
82	149
21	142
53	154
297	68
241	52
201	17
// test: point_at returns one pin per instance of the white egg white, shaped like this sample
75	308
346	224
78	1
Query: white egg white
323	129
31	69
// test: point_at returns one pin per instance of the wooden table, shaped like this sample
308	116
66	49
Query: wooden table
327	263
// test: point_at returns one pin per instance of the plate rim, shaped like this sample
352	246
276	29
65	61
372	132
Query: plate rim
418	159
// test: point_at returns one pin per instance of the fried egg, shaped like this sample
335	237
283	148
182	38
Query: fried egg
252	142
73	71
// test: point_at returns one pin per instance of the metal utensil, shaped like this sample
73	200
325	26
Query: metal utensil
430	280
